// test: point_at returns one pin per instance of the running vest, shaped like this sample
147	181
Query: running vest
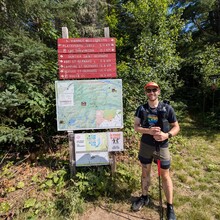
160	113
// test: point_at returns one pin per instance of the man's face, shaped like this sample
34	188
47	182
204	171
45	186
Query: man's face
152	93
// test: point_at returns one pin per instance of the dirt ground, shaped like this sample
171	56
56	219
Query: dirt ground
119	212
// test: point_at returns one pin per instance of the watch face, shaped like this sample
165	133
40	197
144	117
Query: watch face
169	135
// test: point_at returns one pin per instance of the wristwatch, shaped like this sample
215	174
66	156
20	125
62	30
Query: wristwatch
169	135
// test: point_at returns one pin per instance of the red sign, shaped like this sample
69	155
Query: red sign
87	45
86	75
87	50
86	61
86	58
85	40
87	66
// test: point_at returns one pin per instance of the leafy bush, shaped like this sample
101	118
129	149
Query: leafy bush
27	92
97	182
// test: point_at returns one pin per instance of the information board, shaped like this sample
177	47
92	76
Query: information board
105	141
92	159
92	148
89	104
86	58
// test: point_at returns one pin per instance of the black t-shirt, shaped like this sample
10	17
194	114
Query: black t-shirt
151	117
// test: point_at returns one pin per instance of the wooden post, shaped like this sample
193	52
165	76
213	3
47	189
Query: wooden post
112	154
72	157
113	162
65	32
113	159
106	32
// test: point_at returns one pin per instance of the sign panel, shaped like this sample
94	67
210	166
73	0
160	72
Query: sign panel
89	104
115	141
79	56
87	142
92	148
86	40
92	159
105	141
87	66
87	56
86	61
87	73
87	50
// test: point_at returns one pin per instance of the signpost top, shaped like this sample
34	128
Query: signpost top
85	40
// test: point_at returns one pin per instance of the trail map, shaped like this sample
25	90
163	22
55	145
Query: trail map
89	104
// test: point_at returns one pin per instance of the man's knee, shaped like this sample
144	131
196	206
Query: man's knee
165	174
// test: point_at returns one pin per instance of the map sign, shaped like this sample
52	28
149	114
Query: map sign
91	142
89	104
105	141
92	148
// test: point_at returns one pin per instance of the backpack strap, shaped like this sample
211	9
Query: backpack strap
163	115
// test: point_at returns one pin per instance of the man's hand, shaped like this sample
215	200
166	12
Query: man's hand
160	136
154	130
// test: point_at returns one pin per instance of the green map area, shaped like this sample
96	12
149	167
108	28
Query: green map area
95	142
89	104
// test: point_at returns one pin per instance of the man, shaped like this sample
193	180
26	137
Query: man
152	120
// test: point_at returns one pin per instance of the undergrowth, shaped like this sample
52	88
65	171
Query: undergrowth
44	190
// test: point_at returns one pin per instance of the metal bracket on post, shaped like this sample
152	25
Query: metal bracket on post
72	159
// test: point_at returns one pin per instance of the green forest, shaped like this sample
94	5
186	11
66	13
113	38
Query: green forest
174	43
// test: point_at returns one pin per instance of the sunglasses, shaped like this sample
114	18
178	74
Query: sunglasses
151	90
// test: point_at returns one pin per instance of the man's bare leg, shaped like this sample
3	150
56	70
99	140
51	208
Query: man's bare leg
145	178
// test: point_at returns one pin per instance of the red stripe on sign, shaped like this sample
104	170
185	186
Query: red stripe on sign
87	66
87	56
88	50
86	46
87	75
86	61
85	40
103	70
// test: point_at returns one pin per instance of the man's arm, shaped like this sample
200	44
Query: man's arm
175	128
161	136
138	128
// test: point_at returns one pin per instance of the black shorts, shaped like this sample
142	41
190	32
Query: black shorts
147	153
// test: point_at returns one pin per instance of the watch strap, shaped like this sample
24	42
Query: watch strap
169	135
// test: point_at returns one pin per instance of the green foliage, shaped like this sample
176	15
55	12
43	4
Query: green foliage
55	179
26	79
18	135
93	184
200	54
152	44
125	180
154	56
180	110
6	170
29	203
4	207
69	203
